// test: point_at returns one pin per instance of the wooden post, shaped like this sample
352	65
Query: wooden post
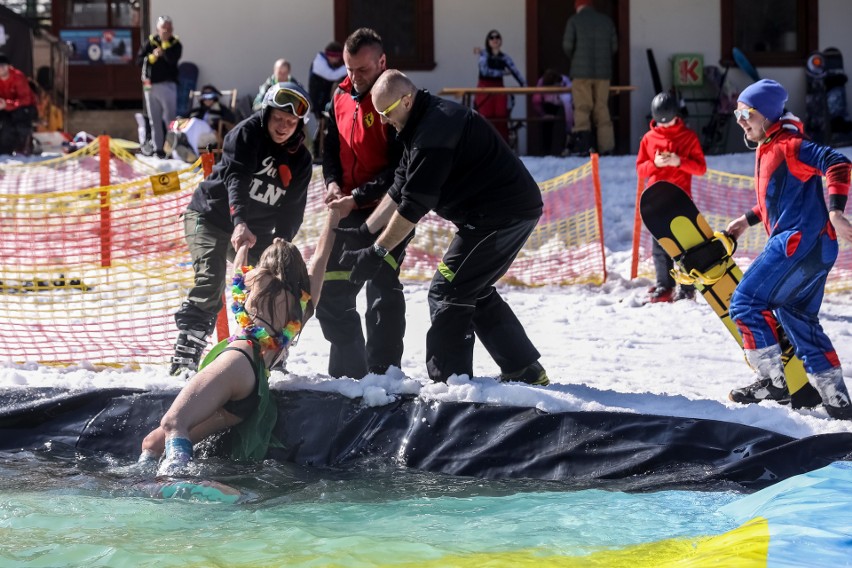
596	179
106	219
637	231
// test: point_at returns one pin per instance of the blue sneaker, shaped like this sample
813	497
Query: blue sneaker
176	458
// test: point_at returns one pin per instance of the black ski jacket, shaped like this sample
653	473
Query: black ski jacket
456	164
258	182
163	69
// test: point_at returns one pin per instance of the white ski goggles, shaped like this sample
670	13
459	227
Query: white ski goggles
744	113
285	98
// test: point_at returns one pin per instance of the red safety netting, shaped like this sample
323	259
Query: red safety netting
96	274
722	197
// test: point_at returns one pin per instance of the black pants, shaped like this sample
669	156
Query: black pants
16	128
210	248
464	302
662	266
351	355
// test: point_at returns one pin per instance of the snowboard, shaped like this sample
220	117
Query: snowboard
187	82
745	65
835	93
817	124
191	490
699	253
655	72
715	132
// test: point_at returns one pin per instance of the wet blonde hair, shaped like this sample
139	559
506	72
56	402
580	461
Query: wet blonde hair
281	269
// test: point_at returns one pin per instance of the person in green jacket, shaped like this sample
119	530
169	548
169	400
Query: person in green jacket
589	43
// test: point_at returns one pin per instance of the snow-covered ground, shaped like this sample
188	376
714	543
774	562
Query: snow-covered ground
602	348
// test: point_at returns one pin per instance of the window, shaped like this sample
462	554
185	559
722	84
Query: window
407	28
102	13
87	13
772	33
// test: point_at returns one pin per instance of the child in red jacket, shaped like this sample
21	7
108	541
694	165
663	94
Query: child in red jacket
670	152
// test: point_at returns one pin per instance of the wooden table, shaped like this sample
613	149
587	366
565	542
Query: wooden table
467	93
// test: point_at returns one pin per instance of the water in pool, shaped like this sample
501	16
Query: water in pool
59	508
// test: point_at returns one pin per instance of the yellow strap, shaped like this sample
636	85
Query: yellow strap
726	240
704	278
445	270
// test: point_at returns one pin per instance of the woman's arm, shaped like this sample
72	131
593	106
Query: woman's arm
319	260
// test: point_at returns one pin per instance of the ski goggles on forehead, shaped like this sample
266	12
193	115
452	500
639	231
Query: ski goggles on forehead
744	113
298	104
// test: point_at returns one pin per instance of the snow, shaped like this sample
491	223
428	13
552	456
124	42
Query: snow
602	348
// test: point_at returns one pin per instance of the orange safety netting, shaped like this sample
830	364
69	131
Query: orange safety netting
721	198
78	170
565	248
96	274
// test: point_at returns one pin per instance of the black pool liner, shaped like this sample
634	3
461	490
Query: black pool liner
601	449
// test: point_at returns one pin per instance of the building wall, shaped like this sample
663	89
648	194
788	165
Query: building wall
693	26
235	43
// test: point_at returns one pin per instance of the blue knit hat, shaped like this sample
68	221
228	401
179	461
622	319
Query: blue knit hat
767	96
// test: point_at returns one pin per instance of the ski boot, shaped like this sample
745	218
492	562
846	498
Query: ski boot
835	396
684	292
188	348
660	294
533	374
771	384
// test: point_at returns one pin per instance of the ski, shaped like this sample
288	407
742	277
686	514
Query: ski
745	65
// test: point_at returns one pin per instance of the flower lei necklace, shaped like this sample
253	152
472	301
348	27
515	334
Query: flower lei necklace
251	330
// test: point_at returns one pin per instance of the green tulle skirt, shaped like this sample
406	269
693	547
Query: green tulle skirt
251	438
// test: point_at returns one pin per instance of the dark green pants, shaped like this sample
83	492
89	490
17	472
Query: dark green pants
210	248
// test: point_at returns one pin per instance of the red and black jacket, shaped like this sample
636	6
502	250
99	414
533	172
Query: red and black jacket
360	153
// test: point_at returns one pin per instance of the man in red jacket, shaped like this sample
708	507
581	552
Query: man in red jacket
670	152
359	158
17	109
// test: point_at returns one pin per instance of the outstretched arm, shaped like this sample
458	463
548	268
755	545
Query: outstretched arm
319	260
241	258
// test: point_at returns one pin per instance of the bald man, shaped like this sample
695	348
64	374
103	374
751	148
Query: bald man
456	164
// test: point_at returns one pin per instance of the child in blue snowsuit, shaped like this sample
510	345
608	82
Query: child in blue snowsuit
788	279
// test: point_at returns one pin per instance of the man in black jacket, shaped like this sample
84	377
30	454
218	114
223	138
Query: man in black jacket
455	163
159	58
258	191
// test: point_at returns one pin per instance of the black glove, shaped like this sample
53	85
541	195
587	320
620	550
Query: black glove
355	238
364	262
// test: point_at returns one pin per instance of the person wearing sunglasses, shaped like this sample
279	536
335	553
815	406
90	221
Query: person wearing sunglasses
327	70
787	280
201	129
493	65
455	164
258	191
360	155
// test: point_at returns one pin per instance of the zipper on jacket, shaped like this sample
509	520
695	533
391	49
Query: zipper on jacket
351	140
